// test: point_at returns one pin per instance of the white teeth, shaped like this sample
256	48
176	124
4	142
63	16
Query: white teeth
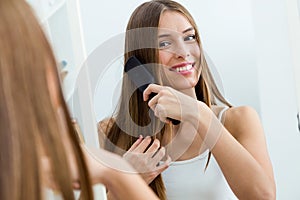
185	68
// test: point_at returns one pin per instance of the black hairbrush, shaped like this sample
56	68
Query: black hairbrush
141	77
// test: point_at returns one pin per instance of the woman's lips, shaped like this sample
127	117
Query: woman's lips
183	68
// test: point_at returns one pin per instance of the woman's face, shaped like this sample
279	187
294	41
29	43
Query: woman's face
179	52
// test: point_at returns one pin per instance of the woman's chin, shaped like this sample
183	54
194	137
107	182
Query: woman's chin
184	87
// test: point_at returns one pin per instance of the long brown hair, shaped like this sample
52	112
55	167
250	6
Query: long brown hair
29	121
147	15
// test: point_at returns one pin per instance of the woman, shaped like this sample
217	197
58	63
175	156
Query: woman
38	145
216	149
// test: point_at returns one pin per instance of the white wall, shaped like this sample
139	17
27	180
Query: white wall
277	93
248	42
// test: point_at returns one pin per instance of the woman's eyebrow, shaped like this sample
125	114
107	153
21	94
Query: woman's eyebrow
164	35
168	35
188	29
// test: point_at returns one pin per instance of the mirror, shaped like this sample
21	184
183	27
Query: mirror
251	46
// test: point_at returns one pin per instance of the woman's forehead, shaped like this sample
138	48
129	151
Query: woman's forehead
173	21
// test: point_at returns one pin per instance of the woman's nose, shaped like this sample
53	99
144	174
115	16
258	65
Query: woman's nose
182	50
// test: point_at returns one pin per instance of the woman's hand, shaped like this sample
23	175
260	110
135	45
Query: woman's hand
147	161
48	179
119	177
170	103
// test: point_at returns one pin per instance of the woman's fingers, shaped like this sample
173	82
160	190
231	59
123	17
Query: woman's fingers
136	144
143	145
158	156
152	88
145	161
154	147
76	185
165	103
152	103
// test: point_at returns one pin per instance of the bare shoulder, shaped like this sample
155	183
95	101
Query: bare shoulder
242	121
105	125
241	113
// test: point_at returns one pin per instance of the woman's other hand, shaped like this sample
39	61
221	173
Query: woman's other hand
146	158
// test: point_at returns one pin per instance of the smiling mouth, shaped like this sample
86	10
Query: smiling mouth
183	69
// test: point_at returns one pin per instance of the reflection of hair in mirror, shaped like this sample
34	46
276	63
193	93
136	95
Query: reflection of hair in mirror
39	146
201	126
206	89
29	124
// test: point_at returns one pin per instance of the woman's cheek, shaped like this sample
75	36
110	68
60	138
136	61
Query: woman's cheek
164	57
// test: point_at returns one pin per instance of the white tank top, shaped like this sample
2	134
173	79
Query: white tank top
187	179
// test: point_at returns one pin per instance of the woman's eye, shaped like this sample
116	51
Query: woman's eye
164	44
190	38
